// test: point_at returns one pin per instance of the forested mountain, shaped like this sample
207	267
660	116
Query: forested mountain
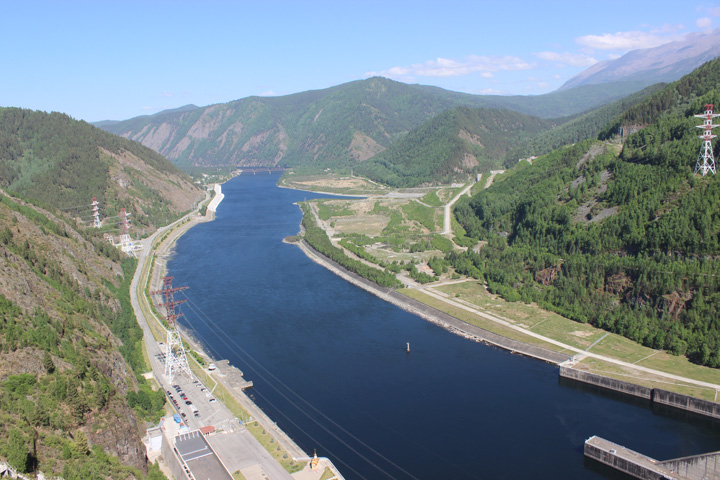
623	236
452	145
52	159
342	125
72	397
664	63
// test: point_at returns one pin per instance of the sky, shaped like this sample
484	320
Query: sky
118	59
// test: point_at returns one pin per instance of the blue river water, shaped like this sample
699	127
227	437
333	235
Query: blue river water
329	365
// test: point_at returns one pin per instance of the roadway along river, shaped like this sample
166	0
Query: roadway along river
329	366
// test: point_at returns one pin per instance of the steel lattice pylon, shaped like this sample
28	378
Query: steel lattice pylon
175	357
706	160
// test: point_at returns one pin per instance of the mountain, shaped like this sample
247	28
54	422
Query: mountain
341	125
454	144
665	63
73	399
580	127
52	159
617	232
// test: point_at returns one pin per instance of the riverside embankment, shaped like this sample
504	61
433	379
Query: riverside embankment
433	315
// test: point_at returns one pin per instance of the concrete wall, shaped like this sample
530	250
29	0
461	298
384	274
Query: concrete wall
606	382
698	467
684	402
622	464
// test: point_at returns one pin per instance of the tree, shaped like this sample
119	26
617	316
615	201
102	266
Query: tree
18	455
82	446
48	362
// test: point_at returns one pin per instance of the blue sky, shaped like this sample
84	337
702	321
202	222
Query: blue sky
103	59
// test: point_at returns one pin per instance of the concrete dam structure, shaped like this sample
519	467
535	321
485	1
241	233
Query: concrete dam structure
697	467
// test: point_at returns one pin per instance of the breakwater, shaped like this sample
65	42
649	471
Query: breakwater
216	199
655	395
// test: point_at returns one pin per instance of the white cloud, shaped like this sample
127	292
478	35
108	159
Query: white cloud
445	67
567	58
625	41
268	93
704	22
167	94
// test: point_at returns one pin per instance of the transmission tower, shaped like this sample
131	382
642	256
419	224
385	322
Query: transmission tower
96	213
175	358
706	160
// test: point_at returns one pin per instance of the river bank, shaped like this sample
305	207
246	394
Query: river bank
227	389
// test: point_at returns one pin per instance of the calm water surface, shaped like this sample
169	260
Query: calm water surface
329	366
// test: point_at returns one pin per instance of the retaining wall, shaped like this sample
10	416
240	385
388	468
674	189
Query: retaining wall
655	395
685	402
607	382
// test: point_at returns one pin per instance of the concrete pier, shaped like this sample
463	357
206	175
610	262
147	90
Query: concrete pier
697	467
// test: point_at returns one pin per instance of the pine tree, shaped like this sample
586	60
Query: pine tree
18	455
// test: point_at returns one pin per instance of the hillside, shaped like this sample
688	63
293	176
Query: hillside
70	350
622	236
53	160
665	63
72	399
579	128
342	125
453	145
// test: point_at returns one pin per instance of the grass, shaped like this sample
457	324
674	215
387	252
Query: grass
477	320
581	336
612	370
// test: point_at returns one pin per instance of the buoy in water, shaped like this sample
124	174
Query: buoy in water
408	347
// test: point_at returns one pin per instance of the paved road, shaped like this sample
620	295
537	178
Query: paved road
446	221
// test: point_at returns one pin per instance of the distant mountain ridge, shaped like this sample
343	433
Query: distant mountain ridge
341	125
665	63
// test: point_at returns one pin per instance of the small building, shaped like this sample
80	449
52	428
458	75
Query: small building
208	430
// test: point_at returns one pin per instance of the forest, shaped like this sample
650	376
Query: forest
618	232
58	162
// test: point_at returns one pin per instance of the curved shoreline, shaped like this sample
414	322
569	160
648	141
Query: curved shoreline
437	317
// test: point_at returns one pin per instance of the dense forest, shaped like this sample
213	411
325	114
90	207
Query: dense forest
576	129
454	144
620	235
54	160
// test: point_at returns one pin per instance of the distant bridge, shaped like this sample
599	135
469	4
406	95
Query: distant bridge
259	170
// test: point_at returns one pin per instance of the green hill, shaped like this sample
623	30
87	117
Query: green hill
73	400
54	160
623	236
576	129
455	144
338	126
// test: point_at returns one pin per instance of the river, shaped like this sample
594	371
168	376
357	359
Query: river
329	365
